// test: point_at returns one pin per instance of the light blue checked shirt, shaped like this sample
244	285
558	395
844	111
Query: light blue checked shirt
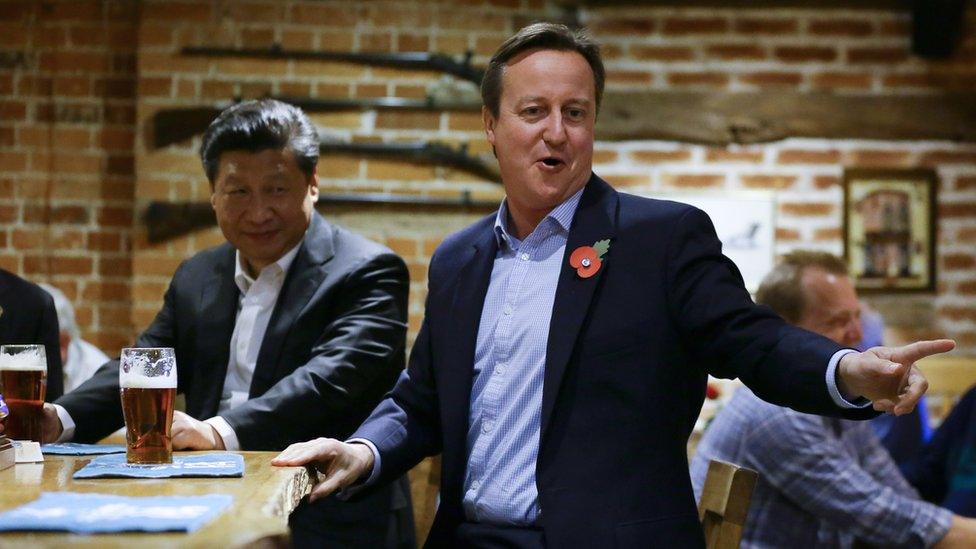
509	363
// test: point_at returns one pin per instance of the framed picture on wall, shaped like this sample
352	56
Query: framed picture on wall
889	229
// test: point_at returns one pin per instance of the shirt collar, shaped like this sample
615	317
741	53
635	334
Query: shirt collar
562	215
244	280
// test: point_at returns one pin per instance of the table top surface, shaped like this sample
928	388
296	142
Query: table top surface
263	498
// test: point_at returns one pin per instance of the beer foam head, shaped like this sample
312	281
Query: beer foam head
28	360
138	381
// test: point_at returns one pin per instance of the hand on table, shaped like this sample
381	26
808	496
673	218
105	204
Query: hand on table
51	427
342	463
887	376
192	434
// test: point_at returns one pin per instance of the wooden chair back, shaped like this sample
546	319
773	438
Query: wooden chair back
725	503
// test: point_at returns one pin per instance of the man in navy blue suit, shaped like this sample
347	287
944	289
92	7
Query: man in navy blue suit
563	356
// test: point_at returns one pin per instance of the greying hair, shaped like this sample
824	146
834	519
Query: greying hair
782	289
544	36
64	310
258	125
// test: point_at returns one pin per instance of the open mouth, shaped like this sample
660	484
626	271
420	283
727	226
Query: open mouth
552	162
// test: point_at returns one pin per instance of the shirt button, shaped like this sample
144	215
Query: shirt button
475	484
500	369
525	257
487	426
508	309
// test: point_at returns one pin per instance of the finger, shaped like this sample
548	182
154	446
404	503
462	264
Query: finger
917	385
319	450
883	405
325	488
921	349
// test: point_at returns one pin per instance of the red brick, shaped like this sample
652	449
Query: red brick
936	158
827	233
957	209
965	183
63	239
768	181
825	181
769	79
115	139
957	313
8	213
802	54
736	52
68	61
796	156
106	291
619	76
380	42
116	87
787	235
967	235
7	136
603	156
882	158
27	240
695	25
65	11
712	79
112	216
414	42
177	12
966	288
13	111
840	27
624	25
654	157
620	181
103	241
725	155
807	209
694	181
890	55
841	80
644	52
407	120
766	26
953	262
63	265
116	267
898	27
13	161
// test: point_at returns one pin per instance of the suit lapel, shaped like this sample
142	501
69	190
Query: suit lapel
465	318
303	278
218	312
595	220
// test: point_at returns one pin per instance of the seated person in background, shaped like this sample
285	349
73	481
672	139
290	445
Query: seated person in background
944	470
27	317
80	358
904	435
292	329
823	481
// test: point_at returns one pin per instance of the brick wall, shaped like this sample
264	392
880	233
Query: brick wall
839	51
67	107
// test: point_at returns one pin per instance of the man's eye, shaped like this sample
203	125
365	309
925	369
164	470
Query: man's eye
532	111
576	114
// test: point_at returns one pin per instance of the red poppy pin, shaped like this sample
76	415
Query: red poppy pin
588	259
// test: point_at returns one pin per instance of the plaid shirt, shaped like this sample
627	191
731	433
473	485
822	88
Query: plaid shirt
823	482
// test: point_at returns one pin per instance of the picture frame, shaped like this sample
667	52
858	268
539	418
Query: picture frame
889	229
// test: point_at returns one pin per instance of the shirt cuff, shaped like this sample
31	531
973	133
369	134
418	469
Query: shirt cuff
67	424
834	390
933	526
373	474
226	432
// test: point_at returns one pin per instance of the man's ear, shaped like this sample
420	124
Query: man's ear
489	122
313	184
213	195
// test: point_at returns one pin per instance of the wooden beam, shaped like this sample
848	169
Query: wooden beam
812	4
721	118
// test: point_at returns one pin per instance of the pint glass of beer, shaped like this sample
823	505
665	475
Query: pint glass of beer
147	378
23	376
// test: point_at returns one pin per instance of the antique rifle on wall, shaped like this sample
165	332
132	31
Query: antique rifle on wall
415	60
176	124
166	220
424	152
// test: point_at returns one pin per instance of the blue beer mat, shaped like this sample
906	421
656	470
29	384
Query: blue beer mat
104	513
221	464
75	449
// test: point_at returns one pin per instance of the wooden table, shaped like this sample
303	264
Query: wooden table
263	498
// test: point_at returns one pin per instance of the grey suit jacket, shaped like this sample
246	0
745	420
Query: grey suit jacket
334	345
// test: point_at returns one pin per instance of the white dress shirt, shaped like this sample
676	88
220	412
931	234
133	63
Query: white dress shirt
254	307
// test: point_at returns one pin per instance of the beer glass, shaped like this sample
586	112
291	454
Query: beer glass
147	381
23	376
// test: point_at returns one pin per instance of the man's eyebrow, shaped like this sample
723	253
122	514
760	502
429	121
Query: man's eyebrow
532	98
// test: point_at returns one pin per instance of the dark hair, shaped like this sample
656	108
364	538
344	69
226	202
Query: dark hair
546	36
258	125
781	289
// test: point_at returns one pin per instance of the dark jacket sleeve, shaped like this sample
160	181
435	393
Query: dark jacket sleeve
733	337
360	349
48	333
95	406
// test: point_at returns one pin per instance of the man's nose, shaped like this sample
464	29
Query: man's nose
555	130
259	210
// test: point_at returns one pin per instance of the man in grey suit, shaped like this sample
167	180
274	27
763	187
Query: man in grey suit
293	329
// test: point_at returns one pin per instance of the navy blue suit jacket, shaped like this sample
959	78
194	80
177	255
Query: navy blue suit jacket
625	373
